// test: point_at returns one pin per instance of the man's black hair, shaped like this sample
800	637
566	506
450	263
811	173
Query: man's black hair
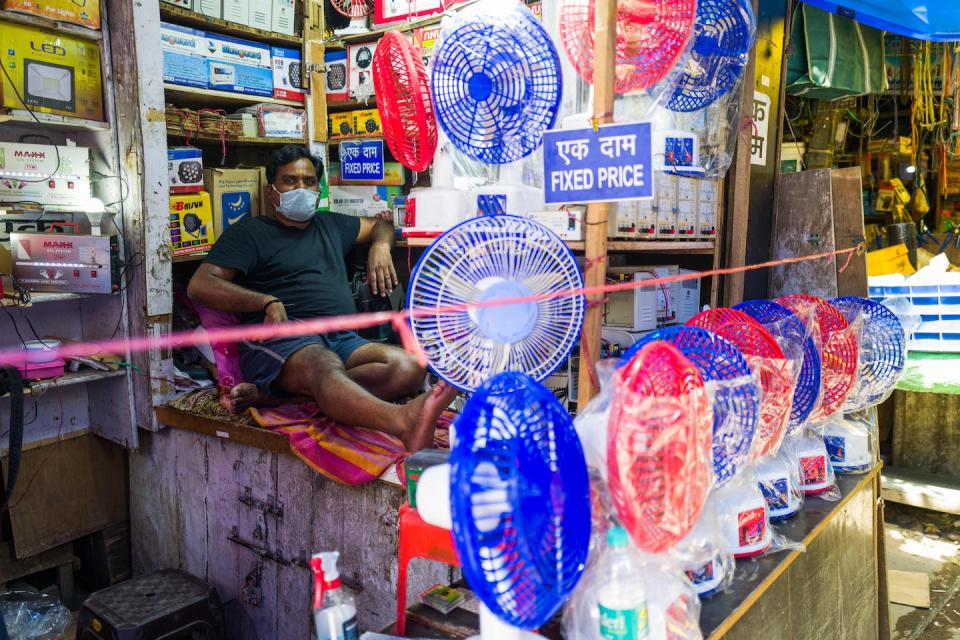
291	153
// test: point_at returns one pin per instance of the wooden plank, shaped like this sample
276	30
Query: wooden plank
296	484
192	468
920	489
253	436
848	230
911	588
185	96
926	432
157	539
49	24
65	491
317	102
11	568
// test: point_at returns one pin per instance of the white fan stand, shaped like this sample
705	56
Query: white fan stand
779	487
439	206
708	578
848	444
744	517
433	505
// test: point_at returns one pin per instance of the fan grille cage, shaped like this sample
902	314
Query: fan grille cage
353	9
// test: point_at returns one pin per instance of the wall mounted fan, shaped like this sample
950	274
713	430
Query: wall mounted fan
358	11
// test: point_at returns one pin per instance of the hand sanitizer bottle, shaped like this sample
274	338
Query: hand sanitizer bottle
334	609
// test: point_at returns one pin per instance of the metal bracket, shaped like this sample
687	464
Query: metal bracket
270	507
265	553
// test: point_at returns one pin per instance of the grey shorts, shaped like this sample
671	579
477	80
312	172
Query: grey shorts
261	362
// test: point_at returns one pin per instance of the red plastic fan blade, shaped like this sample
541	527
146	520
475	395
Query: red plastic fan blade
767	359
839	351
659	446
406	111
353	9
652	35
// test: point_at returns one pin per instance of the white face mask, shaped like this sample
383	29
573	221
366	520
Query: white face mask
298	205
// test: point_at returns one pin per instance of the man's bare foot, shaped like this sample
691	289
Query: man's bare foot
243	396
423	412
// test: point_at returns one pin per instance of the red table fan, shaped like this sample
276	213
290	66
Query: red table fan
406	111
839	352
652	35
359	11
659	465
765	357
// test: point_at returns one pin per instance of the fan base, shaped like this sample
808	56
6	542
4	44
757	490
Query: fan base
779	488
708	578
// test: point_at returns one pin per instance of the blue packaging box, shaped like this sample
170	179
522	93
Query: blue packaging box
238	65
184	59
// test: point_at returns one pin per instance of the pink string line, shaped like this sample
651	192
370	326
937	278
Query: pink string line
400	319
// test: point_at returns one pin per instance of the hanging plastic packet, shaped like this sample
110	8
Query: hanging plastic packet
705	560
591	422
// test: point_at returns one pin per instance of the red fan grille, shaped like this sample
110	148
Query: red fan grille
406	111
353	9
839	352
651	37
659	446
767	359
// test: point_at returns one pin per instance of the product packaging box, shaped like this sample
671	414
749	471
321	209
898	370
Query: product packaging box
236	11
239	65
394	175
282	122
360	62
287	73
261	14
283	16
185	169
234	195
191	223
566	223
340	126
53	73
184	57
425	39
366	123
338	78
85	13
30	172
362	200
209	8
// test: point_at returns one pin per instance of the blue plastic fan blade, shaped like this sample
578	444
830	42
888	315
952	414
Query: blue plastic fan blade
520	500
496	85
787	327
736	407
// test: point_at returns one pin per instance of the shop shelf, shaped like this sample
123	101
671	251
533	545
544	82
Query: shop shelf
50	121
189	18
39	22
186	96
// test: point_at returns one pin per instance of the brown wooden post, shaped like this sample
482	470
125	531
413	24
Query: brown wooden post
596	223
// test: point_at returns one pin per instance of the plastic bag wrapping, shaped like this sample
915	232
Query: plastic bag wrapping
736	405
777	381
705	559
33	616
659	446
808	453
591	423
906	312
852	441
779	480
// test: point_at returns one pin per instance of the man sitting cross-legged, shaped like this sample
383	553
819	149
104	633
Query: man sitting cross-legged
291	267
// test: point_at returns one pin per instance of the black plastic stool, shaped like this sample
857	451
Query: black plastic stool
164	605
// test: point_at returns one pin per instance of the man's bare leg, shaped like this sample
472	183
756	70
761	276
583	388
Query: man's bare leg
319	373
386	371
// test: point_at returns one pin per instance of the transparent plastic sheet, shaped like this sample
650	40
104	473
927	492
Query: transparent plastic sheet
591	423
807	314
777	378
33	616
704	558
808	454
906	312
853	441
779	480
883	344
733	400
840	358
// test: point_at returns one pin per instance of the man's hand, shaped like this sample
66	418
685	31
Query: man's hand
381	275
276	313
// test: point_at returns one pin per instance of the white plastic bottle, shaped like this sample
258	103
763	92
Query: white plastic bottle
334	610
622	599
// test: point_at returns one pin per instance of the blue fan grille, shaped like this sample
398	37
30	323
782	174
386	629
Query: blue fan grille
497	86
882	350
520	500
735	408
785	325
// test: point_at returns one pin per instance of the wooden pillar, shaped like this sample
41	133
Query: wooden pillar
605	42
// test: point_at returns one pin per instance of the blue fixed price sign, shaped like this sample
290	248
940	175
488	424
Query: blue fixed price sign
361	160
610	164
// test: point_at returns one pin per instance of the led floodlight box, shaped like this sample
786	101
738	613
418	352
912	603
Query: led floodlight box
49	85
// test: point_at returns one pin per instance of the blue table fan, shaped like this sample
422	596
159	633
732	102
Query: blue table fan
724	35
492	258
496	85
736	407
516	495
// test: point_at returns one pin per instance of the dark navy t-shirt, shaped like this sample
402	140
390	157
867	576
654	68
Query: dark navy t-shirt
304	268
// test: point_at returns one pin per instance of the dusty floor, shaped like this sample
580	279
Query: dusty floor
921	540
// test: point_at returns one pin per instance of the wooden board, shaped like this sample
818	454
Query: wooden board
920	489
926	433
67	490
911	588
848	231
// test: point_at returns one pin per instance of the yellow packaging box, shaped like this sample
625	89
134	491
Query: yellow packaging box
85	13
234	195
340	125
893	259
191	223
52	73
366	123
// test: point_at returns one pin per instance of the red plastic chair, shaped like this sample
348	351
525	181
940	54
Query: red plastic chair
419	540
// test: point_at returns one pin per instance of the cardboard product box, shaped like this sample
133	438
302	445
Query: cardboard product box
687	219
261	14
566	223
362	200
366	123
242	66
283	18
54	73
360	64
282	122
191	223
394	175
425	39
340	126
337	76
234	195
185	169
85	13
236	11
31	172
184	56
287	73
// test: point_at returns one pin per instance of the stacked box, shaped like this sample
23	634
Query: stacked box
191	223
234	196
287	73
340	126
366	123
85	14
283	16
184	56
185	169
239	65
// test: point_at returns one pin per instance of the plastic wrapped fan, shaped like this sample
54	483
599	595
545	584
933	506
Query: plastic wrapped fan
883	350
593	421
658	452
480	261
808	454
852	441
29	615
705	560
652	35
736	402
769	364
721	47
520	500
784	325
353	9
839	353
406	110
496	84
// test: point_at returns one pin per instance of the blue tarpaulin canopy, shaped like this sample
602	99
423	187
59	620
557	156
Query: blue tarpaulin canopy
935	20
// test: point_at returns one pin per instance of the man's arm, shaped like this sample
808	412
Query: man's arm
213	287
381	273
